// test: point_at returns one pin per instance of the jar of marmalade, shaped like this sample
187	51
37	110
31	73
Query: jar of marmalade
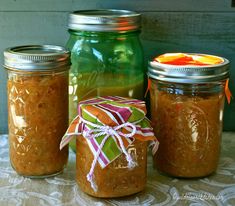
187	100
112	136
37	108
115	180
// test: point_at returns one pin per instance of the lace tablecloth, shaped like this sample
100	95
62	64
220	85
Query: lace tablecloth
218	189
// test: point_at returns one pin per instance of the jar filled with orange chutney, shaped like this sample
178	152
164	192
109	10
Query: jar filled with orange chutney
111	153
37	108
187	94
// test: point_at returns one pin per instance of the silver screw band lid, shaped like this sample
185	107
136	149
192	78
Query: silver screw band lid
190	74
36	58
109	20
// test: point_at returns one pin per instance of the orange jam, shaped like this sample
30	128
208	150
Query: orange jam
37	108
115	180
38	119
187	102
189	131
111	146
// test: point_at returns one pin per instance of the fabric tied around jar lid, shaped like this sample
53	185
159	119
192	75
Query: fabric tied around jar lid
109	125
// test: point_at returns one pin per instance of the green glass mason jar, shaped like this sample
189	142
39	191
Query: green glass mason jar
106	55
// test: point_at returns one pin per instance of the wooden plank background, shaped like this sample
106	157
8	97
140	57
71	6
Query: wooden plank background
206	26
139	5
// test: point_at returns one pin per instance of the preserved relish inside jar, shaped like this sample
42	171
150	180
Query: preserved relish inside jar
37	108
187	100
111	156
106	56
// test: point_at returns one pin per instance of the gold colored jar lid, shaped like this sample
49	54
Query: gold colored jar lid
189	68
106	20
36	58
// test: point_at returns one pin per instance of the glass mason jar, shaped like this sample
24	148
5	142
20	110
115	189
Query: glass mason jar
187	103
112	135
106	55
37	108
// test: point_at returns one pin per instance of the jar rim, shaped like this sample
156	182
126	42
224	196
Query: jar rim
36	58
104	20
190	74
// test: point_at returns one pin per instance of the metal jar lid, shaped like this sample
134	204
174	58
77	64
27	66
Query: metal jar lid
189	74
36	58
104	20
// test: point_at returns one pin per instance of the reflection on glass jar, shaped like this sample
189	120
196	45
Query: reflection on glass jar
106	56
37	109
187	113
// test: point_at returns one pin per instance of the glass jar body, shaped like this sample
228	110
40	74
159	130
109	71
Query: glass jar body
38	119
187	119
104	63
116	179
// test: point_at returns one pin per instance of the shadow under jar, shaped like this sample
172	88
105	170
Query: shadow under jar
37	108
187	102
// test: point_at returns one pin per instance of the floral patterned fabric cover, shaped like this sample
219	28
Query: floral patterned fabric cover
61	190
